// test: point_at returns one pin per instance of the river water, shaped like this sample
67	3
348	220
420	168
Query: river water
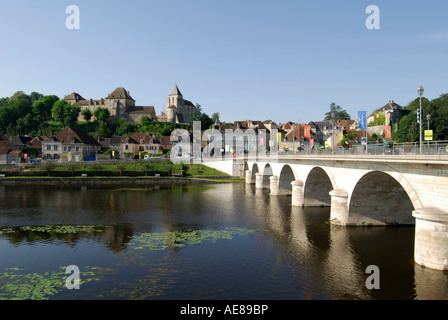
196	241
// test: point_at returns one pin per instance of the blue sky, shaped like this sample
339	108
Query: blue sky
284	60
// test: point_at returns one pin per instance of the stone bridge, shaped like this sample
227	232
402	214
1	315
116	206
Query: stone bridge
363	191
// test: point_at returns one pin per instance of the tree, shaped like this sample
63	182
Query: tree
339	113
43	106
102	114
65	113
206	121
124	128
86	114
104	130
197	113
215	117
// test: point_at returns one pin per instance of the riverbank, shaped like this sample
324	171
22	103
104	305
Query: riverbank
121	181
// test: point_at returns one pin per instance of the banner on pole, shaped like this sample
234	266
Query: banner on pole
362	120
387	132
307	131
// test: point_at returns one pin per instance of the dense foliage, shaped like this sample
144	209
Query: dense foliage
408	128
36	114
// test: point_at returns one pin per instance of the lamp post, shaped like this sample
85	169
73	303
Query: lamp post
420	91
428	117
332	133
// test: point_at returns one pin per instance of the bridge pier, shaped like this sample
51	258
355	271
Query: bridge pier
259	181
431	238
339	207
298	194
273	184
249	177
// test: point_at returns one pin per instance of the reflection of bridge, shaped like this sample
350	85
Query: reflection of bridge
363	191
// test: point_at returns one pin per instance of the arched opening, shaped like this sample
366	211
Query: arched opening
254	171
317	189
267	172
379	199
285	179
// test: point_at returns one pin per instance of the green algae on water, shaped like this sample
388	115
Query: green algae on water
178	238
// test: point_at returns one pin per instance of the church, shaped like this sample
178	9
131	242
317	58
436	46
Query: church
121	105
178	109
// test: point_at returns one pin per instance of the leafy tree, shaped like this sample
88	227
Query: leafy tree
102	114
215	117
124	128
206	121
27	125
65	113
14	108
86	114
43	106
197	113
35	96
339	113
104	130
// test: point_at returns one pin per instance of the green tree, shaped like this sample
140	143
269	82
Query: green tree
104	130
124	128
86	114
43	106
102	114
339	113
215	117
65	113
197	113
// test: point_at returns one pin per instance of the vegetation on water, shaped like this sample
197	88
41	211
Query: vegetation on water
179	238
17	284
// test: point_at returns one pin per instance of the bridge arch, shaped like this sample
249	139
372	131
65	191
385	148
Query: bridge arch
267	172
285	178
317	188
254	170
380	199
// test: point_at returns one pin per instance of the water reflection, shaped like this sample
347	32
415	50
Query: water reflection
290	253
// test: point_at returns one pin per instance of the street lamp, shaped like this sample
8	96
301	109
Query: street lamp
420	91
428	117
332	132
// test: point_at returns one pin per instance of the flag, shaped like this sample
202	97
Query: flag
306	132
362	120
387	132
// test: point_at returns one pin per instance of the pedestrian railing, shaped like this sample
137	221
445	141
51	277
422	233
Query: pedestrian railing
428	148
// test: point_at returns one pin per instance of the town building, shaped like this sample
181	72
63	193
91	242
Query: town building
70	145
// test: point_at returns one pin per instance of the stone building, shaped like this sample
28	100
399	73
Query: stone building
178	109
120	104
70	144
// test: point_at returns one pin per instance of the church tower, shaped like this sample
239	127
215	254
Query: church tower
174	104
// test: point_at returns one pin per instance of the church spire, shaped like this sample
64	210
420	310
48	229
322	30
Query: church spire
176	91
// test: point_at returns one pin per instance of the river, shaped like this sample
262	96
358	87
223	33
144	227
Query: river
196	241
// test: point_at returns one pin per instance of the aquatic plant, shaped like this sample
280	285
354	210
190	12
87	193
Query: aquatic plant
180	238
15	285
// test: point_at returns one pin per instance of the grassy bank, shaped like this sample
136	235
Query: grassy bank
131	169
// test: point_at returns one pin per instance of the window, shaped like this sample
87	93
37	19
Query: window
65	149
55	147
126	147
48	147
69	149
77	149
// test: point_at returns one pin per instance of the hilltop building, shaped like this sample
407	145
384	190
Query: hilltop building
178	109
121	105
